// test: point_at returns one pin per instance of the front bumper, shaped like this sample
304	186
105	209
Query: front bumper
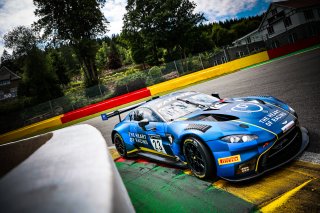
265	166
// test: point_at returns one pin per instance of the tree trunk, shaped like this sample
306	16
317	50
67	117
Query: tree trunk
91	70
86	53
185	58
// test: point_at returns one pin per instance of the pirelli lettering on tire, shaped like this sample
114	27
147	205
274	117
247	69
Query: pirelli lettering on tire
229	160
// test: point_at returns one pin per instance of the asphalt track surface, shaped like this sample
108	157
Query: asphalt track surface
294	79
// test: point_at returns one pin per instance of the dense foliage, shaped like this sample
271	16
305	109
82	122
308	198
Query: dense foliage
76	22
152	26
39	79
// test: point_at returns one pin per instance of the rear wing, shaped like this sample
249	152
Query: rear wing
106	116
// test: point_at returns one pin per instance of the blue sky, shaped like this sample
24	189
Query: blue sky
219	10
20	12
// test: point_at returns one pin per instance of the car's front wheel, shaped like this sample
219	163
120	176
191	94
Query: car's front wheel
199	159
119	144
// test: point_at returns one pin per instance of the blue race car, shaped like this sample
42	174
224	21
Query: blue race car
232	138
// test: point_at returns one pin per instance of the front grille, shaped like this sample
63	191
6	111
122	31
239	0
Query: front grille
285	148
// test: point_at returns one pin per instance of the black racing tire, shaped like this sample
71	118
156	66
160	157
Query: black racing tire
199	159
120	145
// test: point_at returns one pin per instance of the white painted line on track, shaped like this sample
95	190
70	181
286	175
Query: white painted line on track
310	157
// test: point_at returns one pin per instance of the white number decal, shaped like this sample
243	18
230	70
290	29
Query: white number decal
157	144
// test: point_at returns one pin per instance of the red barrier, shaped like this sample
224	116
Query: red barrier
104	105
289	48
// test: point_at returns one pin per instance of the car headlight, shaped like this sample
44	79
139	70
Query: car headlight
239	138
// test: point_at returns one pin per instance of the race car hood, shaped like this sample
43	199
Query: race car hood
253	112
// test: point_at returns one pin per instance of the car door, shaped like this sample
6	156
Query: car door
151	137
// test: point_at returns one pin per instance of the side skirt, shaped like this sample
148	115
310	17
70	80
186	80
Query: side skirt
163	159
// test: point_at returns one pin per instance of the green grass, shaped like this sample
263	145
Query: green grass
154	188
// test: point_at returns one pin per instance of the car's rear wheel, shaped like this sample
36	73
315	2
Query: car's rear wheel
119	144
199	159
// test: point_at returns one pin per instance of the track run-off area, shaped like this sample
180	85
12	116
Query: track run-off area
294	187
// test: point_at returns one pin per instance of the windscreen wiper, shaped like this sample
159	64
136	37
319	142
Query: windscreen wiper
193	103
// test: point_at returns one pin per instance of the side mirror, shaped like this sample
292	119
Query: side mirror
143	123
216	95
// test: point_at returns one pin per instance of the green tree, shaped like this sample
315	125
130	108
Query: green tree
220	36
77	22
244	27
20	39
59	67
39	80
71	60
153	24
138	48
102	56
201	39
124	50
7	60
114	61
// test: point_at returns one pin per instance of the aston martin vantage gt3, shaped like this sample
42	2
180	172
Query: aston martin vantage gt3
232	138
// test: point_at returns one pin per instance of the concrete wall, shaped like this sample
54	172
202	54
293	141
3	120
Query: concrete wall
289	48
68	172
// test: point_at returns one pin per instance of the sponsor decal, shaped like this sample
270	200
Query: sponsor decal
273	117
287	126
247	107
104	117
229	160
138	138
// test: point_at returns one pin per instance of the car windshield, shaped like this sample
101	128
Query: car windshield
203	99
176	109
